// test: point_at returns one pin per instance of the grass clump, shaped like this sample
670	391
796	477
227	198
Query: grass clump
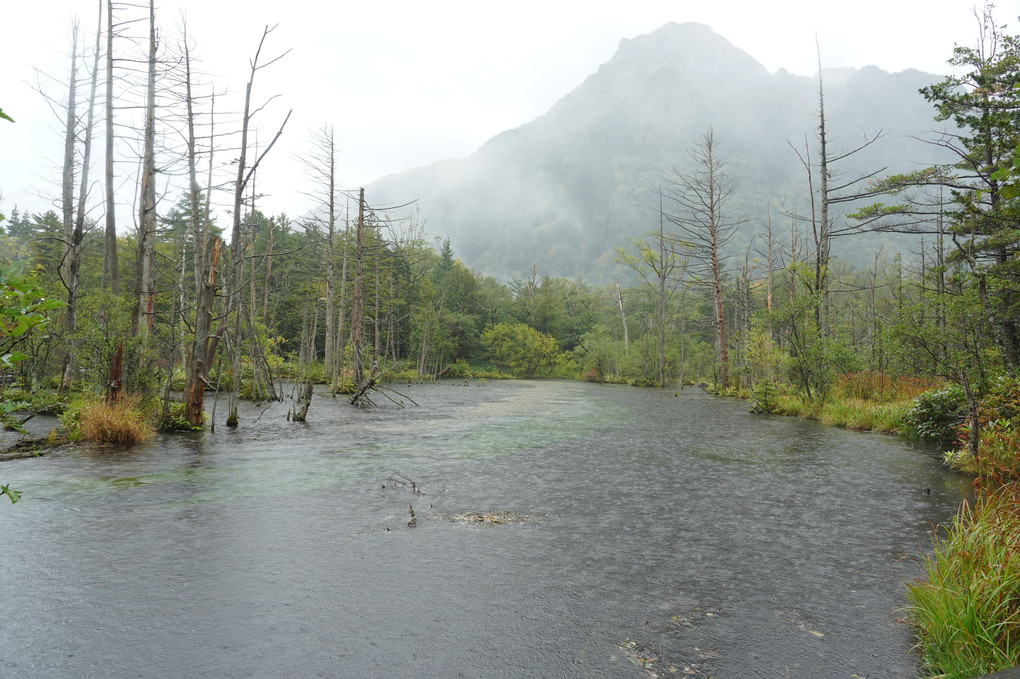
865	415
98	421
967	611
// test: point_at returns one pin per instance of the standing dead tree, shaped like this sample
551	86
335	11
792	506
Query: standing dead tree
366	381
700	198
828	195
245	173
74	215
141	321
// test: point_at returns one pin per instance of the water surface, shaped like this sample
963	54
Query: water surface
649	533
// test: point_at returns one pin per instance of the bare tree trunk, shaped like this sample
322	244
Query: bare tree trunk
331	336
269	271
111	276
78	233
359	266
194	388
824	237
144	275
114	386
339	372
304	399
199	357
235	272
377	318
67	179
195	217
623	317
720	319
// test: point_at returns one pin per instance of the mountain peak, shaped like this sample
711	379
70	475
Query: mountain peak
565	190
688	47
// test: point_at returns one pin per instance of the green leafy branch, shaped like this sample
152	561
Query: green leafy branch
14	495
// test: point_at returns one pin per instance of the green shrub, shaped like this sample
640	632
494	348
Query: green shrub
999	433
935	415
766	397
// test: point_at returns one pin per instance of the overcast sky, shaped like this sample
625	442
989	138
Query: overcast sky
405	83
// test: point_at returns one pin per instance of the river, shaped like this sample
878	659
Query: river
639	533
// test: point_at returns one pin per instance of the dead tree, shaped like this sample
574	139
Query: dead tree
358	369
320	163
199	358
700	198
141	322
111	279
829	195
74	177
70	135
244	178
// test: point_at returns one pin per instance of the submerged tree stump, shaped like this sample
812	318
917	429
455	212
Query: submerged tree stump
304	400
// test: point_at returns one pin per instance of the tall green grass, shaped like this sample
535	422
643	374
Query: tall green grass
967	609
854	413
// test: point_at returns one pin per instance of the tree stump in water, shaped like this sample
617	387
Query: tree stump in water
304	400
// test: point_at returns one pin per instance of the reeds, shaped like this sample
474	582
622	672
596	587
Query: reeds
967	610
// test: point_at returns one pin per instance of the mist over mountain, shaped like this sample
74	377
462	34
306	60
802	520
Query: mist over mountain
565	190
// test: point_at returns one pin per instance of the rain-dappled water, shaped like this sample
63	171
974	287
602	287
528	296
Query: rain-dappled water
645	532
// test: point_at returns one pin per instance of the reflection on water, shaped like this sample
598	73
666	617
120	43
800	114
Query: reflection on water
682	534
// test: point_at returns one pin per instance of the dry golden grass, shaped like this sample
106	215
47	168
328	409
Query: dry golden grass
120	422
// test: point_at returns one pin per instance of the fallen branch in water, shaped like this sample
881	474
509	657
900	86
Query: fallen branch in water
32	447
372	384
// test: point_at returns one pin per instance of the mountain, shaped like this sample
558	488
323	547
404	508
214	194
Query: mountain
565	190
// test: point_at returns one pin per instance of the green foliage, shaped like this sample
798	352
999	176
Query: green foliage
24	311
14	495
766	397
24	315
936	415
176	420
998	433
458	368
765	361
521	349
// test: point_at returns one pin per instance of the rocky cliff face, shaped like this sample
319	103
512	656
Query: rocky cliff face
566	189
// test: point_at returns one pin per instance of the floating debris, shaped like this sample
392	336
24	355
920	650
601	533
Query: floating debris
640	654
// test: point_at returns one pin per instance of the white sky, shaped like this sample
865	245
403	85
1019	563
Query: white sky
405	82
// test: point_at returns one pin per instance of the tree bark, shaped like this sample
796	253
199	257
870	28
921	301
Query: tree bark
77	240
194	388
356	301
111	276
144	275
